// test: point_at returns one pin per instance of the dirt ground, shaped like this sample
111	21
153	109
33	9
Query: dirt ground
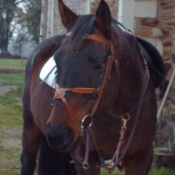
5	89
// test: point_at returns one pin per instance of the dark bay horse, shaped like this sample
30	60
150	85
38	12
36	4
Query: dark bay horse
100	104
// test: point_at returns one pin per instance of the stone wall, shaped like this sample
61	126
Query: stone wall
161	32
50	19
113	5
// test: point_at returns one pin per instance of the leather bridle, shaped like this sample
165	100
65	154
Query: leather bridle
60	93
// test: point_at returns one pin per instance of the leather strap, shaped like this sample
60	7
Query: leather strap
97	38
147	76
79	90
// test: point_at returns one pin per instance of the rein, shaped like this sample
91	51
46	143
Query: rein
120	150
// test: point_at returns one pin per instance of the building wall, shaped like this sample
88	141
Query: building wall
50	19
160	30
113	5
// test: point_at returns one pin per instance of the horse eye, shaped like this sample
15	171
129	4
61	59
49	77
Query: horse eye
99	65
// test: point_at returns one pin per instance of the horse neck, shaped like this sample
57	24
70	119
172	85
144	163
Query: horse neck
132	81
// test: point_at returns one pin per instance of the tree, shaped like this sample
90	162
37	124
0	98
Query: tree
31	18
8	10
20	39
28	19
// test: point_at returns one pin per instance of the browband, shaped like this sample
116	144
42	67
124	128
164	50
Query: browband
97	38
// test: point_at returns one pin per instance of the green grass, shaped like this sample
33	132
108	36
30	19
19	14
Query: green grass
116	172
9	164
12	63
10	125
162	171
11	79
10	111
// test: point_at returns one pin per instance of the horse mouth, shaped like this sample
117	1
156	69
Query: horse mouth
66	149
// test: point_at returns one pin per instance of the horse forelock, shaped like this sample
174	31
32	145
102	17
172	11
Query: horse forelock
83	26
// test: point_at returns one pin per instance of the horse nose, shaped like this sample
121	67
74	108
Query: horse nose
59	136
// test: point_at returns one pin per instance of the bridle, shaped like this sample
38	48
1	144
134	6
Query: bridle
60	92
120	151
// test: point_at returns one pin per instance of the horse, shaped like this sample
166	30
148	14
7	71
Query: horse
89	96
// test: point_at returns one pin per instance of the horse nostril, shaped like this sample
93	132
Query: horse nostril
61	135
50	139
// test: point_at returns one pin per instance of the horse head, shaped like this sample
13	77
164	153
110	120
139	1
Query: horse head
87	75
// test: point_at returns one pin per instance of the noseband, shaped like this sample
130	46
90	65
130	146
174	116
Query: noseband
60	92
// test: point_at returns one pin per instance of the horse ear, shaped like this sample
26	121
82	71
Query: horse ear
103	19
68	17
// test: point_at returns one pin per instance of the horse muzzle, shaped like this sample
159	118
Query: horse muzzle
59	137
